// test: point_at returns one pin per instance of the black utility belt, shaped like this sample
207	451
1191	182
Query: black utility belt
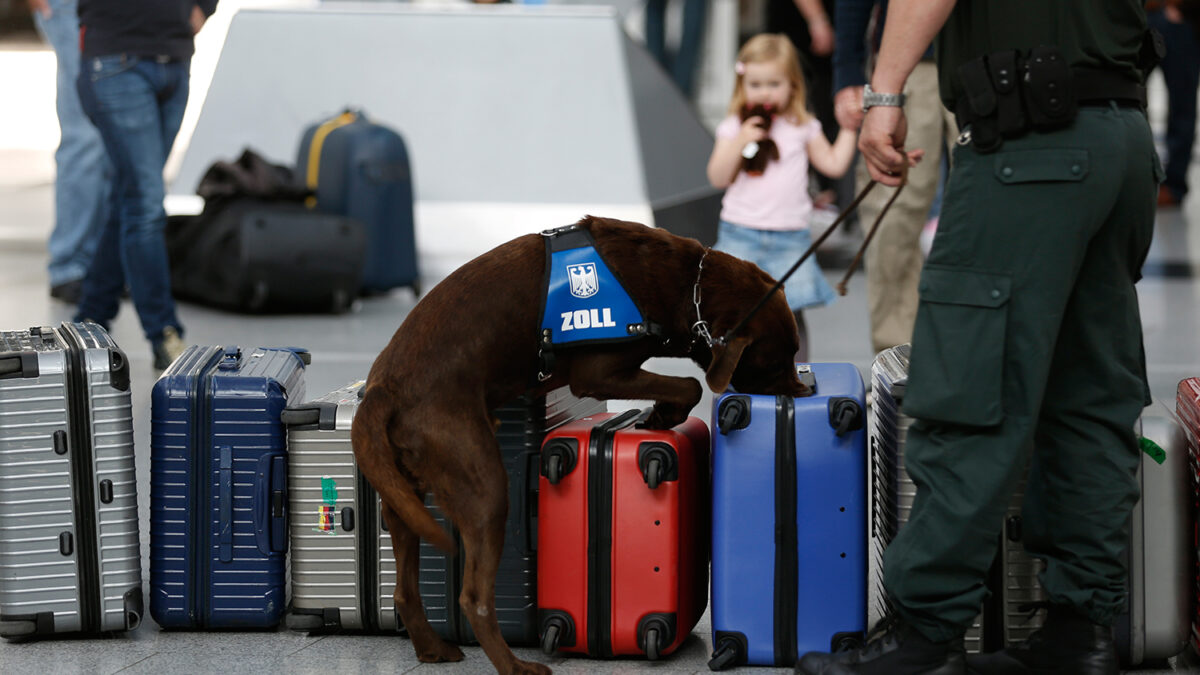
1009	93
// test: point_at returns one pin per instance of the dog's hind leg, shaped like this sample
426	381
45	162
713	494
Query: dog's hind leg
430	647
474	495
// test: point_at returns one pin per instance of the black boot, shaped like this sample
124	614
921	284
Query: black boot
893	648
1067	642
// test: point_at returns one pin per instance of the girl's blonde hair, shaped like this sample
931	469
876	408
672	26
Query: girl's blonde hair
765	48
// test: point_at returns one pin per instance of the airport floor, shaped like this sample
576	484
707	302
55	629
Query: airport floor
343	348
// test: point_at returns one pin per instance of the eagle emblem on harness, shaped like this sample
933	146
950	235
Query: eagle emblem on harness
583	280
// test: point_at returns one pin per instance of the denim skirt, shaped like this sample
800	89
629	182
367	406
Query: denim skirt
775	251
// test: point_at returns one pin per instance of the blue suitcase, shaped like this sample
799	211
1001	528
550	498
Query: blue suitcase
218	487
789	546
359	169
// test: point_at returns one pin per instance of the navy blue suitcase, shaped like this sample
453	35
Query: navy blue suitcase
360	169
218	487
789	545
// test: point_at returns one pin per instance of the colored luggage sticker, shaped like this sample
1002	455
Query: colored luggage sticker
325	517
1153	449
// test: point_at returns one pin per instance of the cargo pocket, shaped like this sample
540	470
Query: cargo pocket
958	347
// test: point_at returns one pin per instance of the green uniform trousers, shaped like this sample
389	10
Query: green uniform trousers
1027	351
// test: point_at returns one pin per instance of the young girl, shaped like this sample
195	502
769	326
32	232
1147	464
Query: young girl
764	218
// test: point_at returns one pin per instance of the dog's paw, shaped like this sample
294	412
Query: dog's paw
529	668
442	652
664	417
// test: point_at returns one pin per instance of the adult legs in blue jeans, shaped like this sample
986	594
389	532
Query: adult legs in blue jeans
1181	73
83	176
683	65
137	104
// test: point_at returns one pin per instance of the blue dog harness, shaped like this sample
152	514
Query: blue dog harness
583	303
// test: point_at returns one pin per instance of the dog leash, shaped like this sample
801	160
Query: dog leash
841	287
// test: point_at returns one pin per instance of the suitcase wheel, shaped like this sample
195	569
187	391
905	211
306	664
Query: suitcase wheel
653	477
554	469
11	629
550	638
652	644
727	653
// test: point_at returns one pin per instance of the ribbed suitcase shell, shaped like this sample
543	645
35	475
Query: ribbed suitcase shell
1187	408
890	492
619	561
339	544
218	465
364	173
783	585
1159	616
69	551
331	564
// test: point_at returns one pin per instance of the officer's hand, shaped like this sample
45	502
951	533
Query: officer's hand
41	7
882	144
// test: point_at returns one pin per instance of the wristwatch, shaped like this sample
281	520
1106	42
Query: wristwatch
873	98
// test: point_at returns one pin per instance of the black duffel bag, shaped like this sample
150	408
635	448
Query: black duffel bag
256	247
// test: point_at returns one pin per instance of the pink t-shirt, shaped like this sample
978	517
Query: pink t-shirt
778	199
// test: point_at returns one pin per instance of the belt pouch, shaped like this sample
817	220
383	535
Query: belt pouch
1048	92
1010	112
977	107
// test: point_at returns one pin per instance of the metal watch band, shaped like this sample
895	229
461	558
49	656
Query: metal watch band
873	98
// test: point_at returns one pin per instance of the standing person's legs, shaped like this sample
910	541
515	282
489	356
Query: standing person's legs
993	296
137	105
1181	73
82	180
1081	483
656	31
683	69
893	260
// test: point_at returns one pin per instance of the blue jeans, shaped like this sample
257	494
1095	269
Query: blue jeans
137	104
682	66
83	176
1181	72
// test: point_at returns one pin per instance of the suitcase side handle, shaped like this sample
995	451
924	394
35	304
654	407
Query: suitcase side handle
270	503
225	499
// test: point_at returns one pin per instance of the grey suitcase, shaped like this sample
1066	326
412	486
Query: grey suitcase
890	493
343	572
1158	621
69	551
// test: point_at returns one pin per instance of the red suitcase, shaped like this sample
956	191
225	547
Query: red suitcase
1187	407
623	528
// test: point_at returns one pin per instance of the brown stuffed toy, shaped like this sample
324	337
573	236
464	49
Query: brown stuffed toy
756	155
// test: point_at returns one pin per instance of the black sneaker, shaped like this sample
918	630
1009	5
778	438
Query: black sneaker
893	648
68	291
1067	642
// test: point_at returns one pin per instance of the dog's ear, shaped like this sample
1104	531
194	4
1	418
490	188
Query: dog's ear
724	361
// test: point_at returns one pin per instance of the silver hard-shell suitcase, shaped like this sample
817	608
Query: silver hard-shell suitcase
1158	621
342	569
69	551
890	493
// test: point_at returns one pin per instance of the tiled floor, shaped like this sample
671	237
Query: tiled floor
343	348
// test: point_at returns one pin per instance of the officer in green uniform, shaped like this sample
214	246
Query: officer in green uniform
1027	350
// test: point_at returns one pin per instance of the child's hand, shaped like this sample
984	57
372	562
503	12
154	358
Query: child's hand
753	130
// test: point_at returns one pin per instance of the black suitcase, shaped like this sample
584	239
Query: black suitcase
264	257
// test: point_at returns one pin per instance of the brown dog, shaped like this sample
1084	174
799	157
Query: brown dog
471	345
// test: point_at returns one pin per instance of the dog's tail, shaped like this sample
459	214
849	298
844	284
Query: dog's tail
377	461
